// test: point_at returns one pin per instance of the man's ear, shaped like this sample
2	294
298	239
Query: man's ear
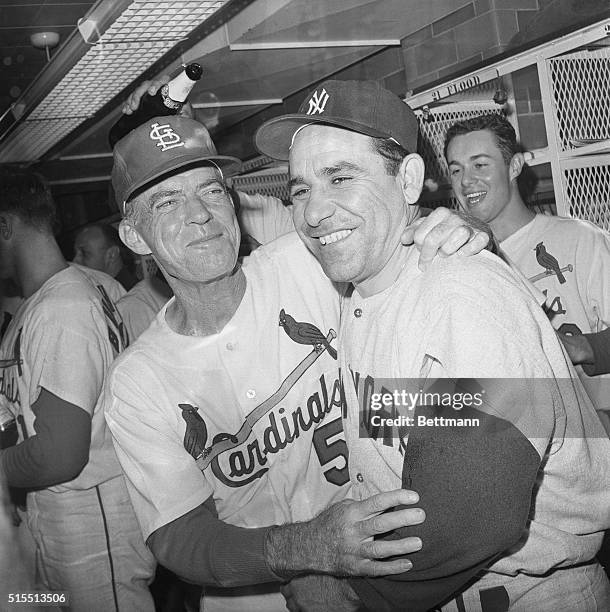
132	239
113	253
411	177
516	166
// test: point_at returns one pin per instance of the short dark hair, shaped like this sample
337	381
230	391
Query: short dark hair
392	153
497	124
26	195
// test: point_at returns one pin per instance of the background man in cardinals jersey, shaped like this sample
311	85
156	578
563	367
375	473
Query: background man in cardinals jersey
567	259
515	483
226	411
54	355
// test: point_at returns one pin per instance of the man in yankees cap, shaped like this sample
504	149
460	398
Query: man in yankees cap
225	412
515	490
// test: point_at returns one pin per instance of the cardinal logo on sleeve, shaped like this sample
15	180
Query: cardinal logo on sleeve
196	434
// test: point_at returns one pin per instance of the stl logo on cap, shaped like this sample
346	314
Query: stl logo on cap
168	139
317	102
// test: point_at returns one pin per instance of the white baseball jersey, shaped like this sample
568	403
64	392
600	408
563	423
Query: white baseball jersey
249	416
111	286
64	338
65	317
141	304
569	261
473	318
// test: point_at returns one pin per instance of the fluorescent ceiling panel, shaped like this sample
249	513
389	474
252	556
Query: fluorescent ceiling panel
137	38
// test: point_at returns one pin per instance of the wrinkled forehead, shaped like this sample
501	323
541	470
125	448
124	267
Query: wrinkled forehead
315	139
318	145
324	136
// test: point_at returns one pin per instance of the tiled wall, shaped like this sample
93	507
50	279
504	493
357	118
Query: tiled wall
478	30
464	37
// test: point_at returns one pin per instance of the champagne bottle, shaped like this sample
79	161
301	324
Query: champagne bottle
167	101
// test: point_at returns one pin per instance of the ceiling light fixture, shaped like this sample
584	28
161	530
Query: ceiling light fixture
45	40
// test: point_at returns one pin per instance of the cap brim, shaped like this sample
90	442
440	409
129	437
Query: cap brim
229	166
274	137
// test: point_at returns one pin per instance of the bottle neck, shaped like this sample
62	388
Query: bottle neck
178	88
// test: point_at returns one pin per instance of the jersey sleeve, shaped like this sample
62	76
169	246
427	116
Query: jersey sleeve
476	482
594	256
66	349
163	480
265	218
57	452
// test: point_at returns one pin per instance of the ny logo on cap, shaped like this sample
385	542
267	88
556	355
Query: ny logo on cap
168	139
317	102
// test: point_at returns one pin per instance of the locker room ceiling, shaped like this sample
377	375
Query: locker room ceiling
259	56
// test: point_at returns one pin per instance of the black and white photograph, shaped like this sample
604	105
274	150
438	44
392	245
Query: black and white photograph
305	305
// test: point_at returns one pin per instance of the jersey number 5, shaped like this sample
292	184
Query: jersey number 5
328	451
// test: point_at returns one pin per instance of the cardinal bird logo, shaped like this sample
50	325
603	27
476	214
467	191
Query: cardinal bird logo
196	434
550	263
301	333
305	333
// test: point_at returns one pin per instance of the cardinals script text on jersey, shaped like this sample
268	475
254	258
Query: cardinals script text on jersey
239	458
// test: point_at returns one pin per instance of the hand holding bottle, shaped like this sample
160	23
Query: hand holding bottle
151	88
154	99
146	87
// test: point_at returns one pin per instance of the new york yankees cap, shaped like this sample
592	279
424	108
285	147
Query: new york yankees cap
160	148
361	106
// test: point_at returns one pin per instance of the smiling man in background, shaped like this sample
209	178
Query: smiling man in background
54	355
98	246
567	259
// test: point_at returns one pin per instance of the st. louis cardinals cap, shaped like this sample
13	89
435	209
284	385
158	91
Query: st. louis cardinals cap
361	106
159	148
